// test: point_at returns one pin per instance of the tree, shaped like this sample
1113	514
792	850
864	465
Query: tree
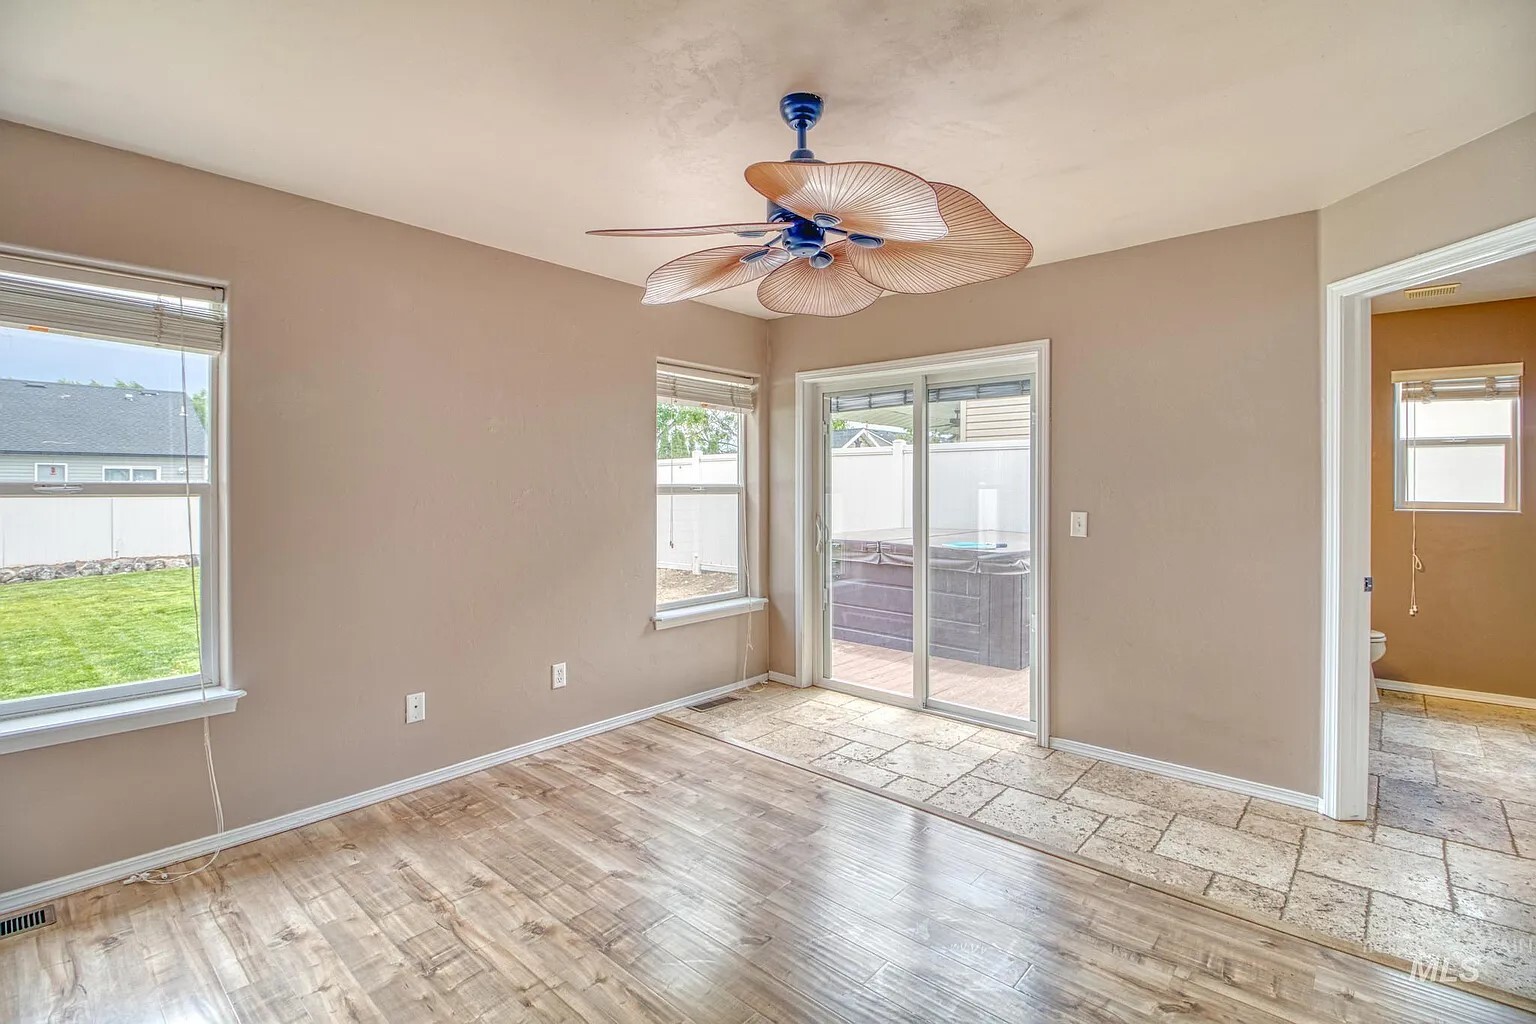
200	406
683	429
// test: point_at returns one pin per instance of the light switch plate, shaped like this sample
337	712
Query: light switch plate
1079	524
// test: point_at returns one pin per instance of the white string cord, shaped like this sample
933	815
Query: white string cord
161	876
1416	566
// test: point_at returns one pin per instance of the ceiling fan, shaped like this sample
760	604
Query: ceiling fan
837	236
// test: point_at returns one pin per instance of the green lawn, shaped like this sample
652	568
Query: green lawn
77	634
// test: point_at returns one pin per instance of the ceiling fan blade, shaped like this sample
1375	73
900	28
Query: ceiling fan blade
979	247
749	227
835	290
866	198
709	270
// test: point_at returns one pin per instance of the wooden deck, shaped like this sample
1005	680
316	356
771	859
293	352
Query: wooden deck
999	690
653	874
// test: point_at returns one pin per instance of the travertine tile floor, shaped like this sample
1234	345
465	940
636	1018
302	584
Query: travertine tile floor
1444	869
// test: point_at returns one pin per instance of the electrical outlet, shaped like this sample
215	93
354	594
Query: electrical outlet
557	676
415	707
1079	524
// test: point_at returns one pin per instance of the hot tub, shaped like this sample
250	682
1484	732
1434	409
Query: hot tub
978	584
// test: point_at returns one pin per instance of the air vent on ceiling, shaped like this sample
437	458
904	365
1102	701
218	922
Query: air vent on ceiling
710	705
1431	291
26	920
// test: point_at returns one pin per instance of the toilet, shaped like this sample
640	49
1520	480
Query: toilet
1378	651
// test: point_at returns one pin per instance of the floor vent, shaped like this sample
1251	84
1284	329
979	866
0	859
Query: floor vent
710	705
26	920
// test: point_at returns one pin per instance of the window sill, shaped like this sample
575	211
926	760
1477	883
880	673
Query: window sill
705	612
45	728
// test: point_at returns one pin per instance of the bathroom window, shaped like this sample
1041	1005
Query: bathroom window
1458	438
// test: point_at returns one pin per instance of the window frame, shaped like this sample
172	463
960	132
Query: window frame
739	489
1402	445
45	719
132	471
37	467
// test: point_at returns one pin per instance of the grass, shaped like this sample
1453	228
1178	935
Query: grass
77	634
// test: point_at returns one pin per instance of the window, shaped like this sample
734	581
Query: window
108	577
130	474
700	485
1458	438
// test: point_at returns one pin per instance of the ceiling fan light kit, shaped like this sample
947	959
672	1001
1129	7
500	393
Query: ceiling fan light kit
837	236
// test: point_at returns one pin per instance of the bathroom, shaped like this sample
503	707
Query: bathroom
1453	565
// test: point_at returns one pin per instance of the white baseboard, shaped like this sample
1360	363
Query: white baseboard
42	892
1187	774
786	679
1451	693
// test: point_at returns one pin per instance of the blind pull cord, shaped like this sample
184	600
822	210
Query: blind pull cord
161	876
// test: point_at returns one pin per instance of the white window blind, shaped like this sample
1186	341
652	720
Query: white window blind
40	296
1458	438
708	388
1494	380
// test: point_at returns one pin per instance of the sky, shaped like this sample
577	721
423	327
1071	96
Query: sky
36	355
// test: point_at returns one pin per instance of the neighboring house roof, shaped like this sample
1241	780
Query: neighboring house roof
866	437
37	417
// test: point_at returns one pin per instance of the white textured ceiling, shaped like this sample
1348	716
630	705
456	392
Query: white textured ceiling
1088	125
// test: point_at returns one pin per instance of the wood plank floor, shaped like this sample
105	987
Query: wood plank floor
652	874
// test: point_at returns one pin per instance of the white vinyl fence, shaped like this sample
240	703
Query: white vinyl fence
697	532
51	531
977	485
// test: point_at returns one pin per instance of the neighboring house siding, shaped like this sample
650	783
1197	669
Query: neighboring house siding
988	419
87	469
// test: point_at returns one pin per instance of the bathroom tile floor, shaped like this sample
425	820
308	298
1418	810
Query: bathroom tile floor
1444	868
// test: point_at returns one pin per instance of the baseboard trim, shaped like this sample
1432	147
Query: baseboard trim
1452	693
42	892
1188	774
786	679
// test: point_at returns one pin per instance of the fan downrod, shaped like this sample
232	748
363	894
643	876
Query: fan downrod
801	111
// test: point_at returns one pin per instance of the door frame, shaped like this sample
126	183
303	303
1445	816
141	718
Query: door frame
1346	411
809	386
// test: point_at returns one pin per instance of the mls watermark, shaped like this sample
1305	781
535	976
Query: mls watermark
1509	951
1443	969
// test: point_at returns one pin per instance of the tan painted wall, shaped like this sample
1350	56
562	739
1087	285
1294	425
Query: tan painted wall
1185	419
1477	595
1486	184
362	351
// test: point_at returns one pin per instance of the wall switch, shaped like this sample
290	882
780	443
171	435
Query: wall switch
557	676
415	707
1079	524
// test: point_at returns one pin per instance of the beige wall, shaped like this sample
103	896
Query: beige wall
1478	592
1185	419
1486	184
362	351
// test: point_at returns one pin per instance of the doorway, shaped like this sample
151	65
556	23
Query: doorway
1347	584
923	487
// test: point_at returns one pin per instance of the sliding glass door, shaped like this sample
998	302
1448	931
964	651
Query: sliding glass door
980	519
925	539
867	526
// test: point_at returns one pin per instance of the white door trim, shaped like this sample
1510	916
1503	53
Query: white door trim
1347	498
809	385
